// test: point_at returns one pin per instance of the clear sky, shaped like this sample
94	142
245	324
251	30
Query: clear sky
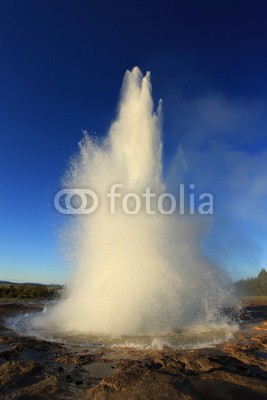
61	68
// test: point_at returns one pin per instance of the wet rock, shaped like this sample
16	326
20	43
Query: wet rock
11	371
196	361
261	341
76	360
45	389
134	381
247	353
67	360
69	378
221	390
248	382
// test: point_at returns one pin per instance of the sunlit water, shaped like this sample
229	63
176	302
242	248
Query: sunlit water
195	337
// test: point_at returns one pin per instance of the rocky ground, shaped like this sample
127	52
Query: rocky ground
37	369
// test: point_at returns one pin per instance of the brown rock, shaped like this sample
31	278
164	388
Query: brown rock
247	353
13	370
67	360
134	381
221	390
248	382
197	362
45	389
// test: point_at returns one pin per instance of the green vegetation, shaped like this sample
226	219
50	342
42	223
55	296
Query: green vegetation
247	287
31	291
253	286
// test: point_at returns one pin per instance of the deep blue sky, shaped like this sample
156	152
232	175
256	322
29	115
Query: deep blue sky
61	68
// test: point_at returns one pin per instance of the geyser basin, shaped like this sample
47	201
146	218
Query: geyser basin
134	274
34	325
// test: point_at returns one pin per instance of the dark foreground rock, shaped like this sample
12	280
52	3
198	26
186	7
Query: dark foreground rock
38	369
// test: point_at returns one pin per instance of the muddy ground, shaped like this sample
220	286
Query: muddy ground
37	369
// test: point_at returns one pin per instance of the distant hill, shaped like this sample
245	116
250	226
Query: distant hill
28	283
29	290
253	286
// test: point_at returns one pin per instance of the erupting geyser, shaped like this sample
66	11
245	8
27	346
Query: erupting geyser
134	274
